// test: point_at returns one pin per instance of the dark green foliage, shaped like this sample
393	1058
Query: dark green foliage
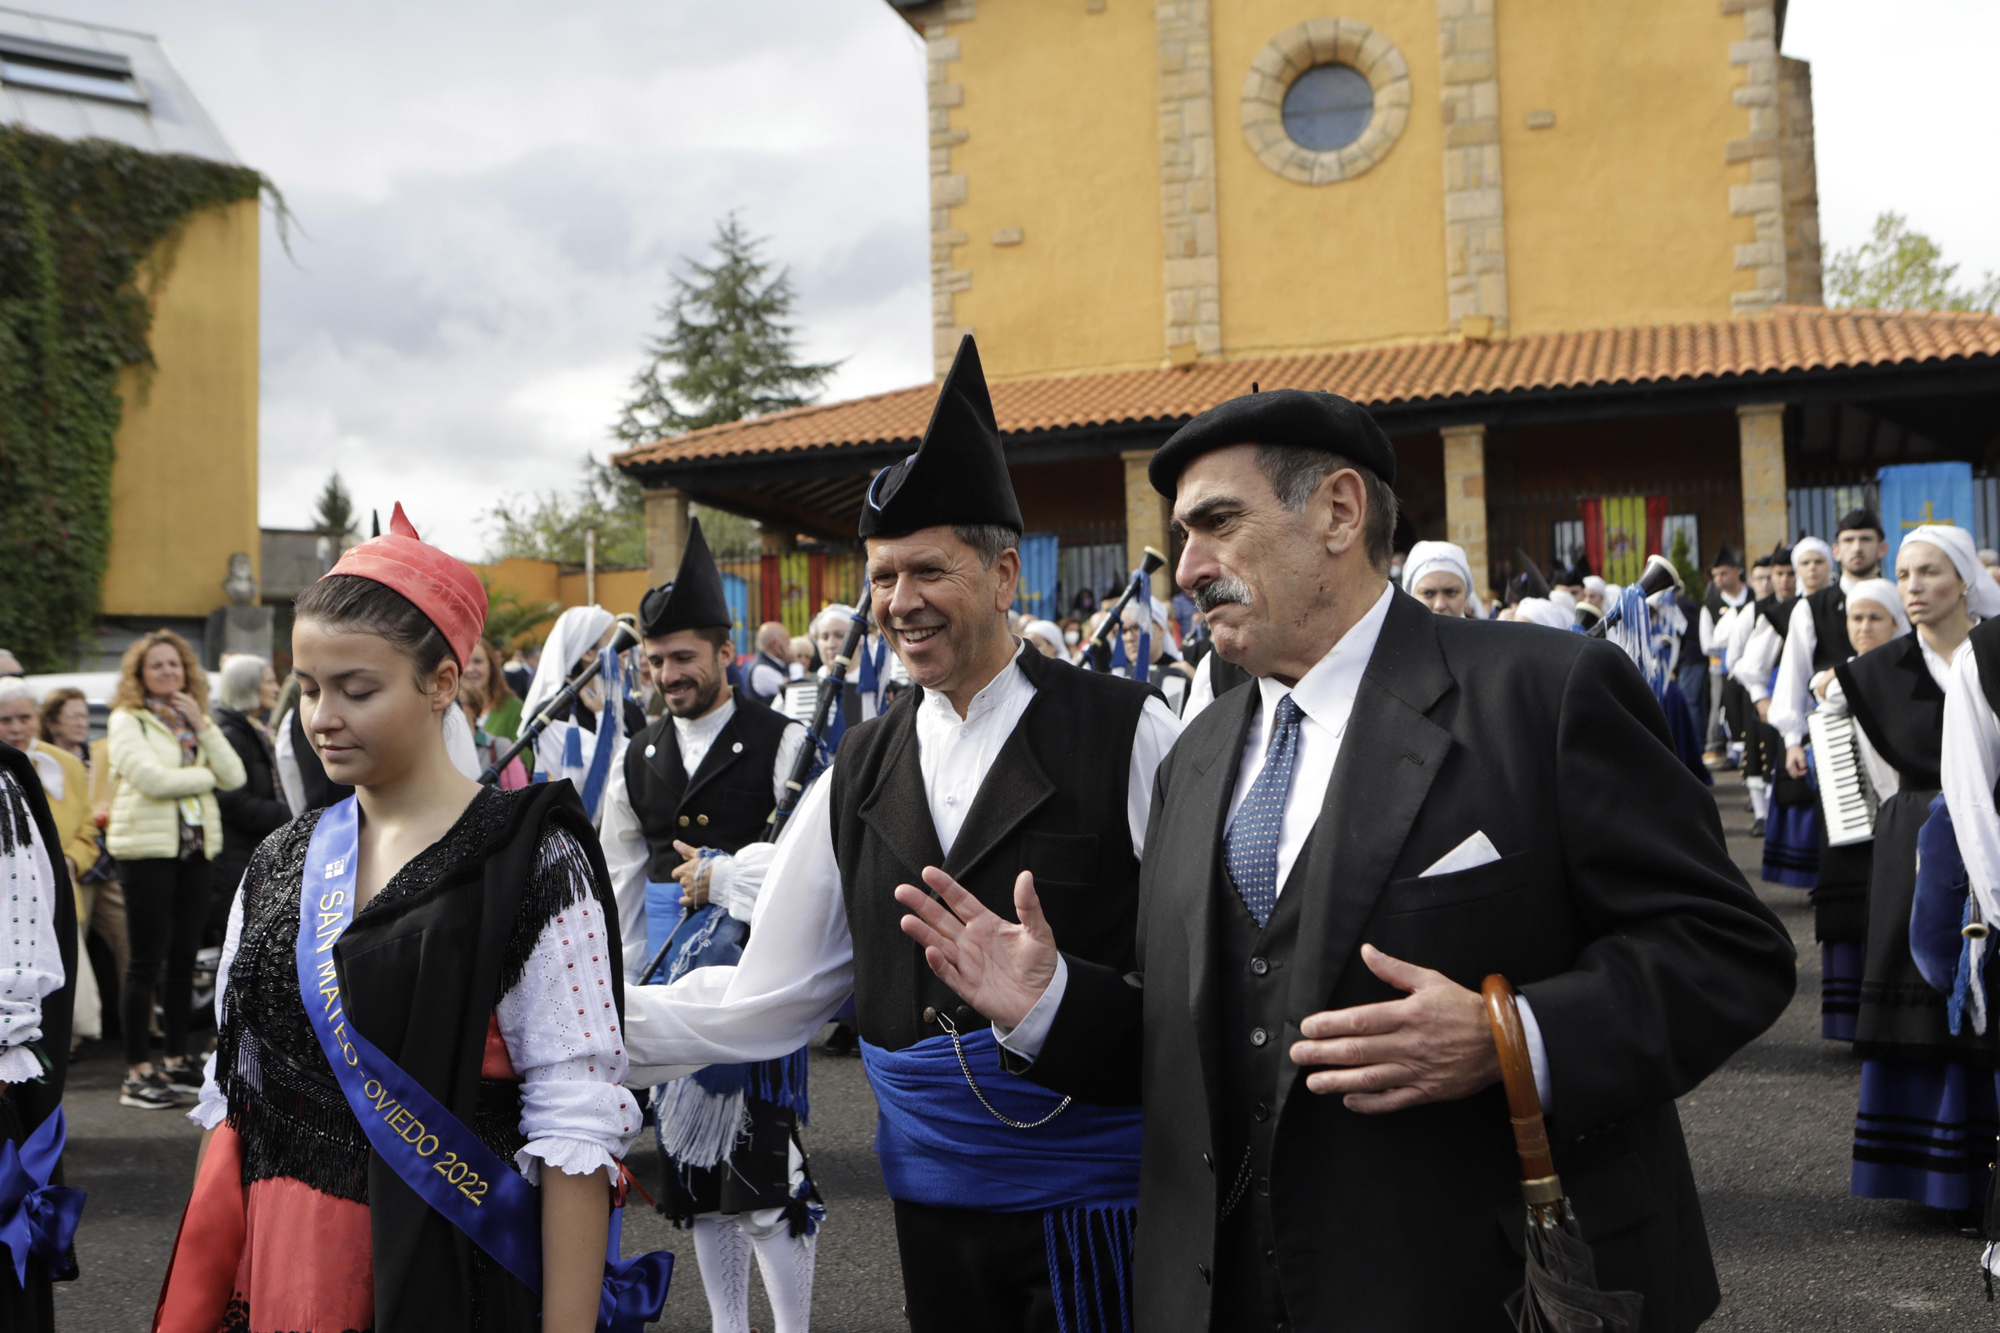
727	352
77	222
334	512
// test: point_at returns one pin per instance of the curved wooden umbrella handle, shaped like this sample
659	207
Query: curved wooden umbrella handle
1539	1183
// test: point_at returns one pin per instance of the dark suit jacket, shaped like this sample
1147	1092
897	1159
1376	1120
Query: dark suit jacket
1614	908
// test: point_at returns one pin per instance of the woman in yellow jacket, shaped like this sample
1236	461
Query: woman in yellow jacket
168	759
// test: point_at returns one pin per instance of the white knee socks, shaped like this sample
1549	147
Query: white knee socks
722	1252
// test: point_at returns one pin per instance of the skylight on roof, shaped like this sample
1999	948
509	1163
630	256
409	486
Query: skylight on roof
76	70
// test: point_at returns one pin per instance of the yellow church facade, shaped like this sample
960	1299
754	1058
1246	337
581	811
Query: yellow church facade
1568	255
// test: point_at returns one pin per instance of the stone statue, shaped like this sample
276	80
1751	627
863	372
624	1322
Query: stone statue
241	585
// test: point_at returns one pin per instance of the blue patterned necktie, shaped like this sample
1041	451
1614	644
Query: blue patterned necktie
1250	848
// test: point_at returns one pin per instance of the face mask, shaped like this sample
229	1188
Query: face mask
1072	638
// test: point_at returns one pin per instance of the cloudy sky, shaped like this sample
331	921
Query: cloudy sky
492	195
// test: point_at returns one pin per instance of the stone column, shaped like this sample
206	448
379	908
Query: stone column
1187	181
1465	500
666	533
1760	434
1146	516
1475	231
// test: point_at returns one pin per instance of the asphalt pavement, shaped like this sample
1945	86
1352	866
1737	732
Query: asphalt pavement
1769	1135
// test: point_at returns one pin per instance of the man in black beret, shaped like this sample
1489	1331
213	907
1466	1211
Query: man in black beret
1399	806
1000	764
683	827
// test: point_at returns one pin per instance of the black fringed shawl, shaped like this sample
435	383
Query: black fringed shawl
422	967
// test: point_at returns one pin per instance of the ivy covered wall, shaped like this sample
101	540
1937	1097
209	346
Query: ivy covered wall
78	222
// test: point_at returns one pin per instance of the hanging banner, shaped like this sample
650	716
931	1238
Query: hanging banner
1913	494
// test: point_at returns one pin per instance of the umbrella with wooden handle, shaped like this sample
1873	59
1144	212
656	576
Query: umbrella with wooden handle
1560	1293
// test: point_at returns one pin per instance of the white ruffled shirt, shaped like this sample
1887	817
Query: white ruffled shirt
561	1031
31	960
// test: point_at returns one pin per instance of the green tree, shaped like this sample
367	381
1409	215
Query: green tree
1901	269
727	352
551	525
333	515
1682	559
511	621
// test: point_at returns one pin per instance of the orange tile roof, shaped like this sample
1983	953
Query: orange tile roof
1788	339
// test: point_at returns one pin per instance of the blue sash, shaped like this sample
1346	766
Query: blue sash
940	1147
430	1149
36	1218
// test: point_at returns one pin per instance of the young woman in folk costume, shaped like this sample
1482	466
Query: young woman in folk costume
1928	1111
427	1030
1875	615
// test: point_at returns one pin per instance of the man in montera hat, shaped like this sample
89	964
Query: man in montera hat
1403	804
1727	593
1014	1206
683	821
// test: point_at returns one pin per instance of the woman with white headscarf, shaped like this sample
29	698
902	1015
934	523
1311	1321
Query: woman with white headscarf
1542	611
569	747
1929	1095
1875	616
1439	575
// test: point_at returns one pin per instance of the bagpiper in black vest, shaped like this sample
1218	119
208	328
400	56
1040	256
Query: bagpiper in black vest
725	803
1831	646
1777	613
1054	802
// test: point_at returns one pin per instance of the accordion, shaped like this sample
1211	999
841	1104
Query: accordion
1847	799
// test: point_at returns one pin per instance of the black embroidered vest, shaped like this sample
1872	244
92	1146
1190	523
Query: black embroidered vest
1831	645
727	801
1778	615
1054	803
1898	704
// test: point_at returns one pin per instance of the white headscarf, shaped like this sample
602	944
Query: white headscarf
1982	594
1542	611
575	633
1048	632
1429	557
1883	593
1805	545
1163	637
1562	599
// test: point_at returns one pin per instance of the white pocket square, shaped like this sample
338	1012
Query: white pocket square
1475	851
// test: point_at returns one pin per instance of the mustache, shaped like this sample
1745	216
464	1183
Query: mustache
1222	592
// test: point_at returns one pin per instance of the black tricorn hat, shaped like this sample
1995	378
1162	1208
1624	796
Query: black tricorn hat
1860	520
1297	417
958	475
694	600
1781	554
1726	555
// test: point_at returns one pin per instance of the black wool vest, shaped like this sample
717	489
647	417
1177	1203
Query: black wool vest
724	805
1900	707
1778	615
1985	641
1831	645
1053	803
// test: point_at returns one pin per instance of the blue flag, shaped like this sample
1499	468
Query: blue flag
1913	494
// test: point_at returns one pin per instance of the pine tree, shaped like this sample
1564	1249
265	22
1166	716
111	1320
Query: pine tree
727	353
334	514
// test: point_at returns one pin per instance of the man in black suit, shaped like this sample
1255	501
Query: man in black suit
1403	804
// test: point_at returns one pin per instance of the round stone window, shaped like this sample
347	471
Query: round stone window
1325	101
1328	107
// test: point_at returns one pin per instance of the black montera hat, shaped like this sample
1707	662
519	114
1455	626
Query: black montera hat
1859	519
694	600
1528	582
1781	554
1579	569
1297	417
958	475
1726	554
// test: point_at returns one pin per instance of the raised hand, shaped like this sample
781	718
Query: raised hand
1434	1045
997	967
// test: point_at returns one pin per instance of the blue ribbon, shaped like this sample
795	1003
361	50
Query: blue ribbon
430	1149
38	1219
610	725
635	1290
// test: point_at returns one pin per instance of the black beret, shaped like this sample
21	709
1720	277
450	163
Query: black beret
1297	417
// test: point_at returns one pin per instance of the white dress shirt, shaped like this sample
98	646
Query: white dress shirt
1970	765
1325	695
733	881
1713	627
798	967
1791	696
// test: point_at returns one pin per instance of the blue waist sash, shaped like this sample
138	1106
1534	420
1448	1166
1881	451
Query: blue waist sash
36	1218
430	1149
940	1147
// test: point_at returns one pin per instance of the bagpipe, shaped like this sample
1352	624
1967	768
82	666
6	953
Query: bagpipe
830	686
557	708
1097	654
1658	576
